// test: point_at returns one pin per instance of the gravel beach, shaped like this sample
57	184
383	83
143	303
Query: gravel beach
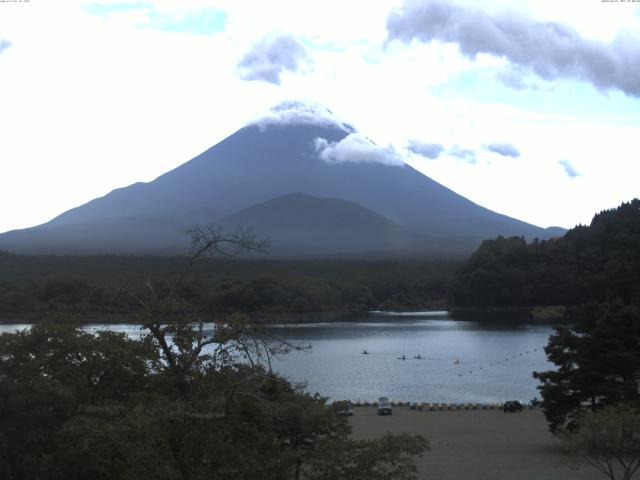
478	445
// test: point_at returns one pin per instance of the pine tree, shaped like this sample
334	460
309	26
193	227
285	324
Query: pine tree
598	364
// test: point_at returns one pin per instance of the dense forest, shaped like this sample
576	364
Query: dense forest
595	263
92	286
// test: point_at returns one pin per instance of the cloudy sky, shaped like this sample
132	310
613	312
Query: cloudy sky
530	108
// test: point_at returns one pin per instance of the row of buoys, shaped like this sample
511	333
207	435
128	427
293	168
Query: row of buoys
434	407
500	362
457	360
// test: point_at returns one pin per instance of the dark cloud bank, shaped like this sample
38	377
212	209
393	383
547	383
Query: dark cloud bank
269	58
549	49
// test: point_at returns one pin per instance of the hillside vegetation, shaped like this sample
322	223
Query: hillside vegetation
595	263
92	286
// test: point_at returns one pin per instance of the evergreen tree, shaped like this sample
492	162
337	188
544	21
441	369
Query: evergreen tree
598	363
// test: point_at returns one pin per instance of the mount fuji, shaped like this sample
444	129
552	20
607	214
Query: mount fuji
297	175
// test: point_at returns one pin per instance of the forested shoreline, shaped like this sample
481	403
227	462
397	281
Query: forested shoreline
93	287
598	263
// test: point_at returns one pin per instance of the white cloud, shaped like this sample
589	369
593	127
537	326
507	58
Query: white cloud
504	149
464	154
569	169
427	150
273	55
300	112
356	148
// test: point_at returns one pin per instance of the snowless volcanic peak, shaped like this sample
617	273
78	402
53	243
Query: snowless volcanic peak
300	113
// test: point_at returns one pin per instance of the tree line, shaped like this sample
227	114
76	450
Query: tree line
591	398
595	263
92	286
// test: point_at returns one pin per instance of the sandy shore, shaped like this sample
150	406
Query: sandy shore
478	445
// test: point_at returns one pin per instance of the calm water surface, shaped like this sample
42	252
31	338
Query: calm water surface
461	361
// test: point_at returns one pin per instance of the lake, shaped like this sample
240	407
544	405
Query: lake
460	361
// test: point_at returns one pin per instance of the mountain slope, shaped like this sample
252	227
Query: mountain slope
258	163
254	165
300	223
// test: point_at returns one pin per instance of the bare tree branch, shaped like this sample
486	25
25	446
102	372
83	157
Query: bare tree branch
208	239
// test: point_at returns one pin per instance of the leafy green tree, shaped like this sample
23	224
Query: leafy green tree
47	373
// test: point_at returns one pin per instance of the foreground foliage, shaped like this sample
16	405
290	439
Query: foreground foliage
75	406
179	403
609	440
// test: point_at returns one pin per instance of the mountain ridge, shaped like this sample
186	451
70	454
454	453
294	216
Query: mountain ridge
322	225
258	163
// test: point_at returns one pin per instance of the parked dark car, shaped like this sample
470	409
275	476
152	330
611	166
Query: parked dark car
512	406
346	411
384	407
